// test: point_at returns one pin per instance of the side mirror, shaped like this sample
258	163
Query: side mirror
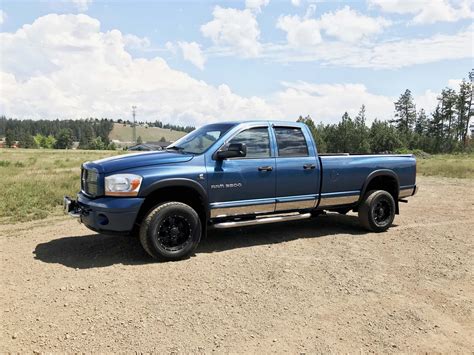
234	150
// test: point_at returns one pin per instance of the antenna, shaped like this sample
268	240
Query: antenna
134	129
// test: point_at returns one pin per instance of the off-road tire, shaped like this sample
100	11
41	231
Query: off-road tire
153	223
368	215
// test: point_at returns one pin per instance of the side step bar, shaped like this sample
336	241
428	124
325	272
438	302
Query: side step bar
262	220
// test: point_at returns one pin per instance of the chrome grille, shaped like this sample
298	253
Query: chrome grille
89	182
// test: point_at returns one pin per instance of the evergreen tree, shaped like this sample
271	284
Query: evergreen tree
64	139
405	113
464	111
421	124
361	144
383	138
9	141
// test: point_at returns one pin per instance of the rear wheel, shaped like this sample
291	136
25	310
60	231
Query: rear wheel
377	211
170	231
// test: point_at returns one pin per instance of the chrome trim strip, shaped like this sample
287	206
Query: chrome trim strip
407	191
262	221
224	211
296	202
338	200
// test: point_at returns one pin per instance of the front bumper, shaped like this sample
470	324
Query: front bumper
106	214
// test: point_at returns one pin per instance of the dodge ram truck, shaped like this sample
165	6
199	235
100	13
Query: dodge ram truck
235	174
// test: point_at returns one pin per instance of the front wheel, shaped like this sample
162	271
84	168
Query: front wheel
170	231
377	211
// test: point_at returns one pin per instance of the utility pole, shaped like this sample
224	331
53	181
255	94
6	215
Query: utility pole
134	128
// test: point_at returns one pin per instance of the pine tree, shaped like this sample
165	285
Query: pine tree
463	107
421	123
405	113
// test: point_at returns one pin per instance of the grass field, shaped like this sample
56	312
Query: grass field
447	165
34	180
124	134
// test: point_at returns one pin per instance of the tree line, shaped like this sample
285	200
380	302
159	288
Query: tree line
445	130
91	133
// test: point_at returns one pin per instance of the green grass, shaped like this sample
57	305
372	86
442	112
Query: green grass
124	134
447	165
34	181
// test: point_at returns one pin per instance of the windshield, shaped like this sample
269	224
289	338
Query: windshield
200	140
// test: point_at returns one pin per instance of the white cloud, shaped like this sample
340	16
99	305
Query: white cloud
296	2
192	52
300	32
235	29
345	24
79	71
427	11
350	26
327	102
135	42
256	5
382	55
81	5
3	16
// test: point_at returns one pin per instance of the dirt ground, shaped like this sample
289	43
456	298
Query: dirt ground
322	285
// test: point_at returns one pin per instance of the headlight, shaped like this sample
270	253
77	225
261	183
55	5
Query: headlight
122	185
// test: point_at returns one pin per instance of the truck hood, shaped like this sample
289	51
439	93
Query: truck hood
137	160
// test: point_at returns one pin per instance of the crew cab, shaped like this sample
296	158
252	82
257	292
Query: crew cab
236	174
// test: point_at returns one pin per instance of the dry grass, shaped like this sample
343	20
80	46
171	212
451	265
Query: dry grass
34	181
447	165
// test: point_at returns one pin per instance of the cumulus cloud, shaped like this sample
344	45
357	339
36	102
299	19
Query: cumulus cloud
348	25
65	66
135	42
344	24
256	5
296	2
235	29
300	32
427	11
379	55
326	102
81	5
192	53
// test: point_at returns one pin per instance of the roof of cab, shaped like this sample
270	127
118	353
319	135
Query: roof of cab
275	122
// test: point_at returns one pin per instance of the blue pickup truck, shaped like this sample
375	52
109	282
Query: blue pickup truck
236	174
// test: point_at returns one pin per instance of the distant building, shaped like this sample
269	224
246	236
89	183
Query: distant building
149	146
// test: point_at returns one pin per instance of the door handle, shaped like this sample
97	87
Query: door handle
309	166
265	168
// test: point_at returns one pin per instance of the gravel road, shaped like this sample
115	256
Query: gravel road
322	285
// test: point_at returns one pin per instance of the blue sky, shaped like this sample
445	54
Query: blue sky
244	59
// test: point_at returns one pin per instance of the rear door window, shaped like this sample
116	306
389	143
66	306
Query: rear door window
291	142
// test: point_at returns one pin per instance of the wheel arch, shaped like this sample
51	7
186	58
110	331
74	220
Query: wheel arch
182	190
382	179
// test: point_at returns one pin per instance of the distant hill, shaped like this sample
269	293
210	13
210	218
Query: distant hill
125	133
